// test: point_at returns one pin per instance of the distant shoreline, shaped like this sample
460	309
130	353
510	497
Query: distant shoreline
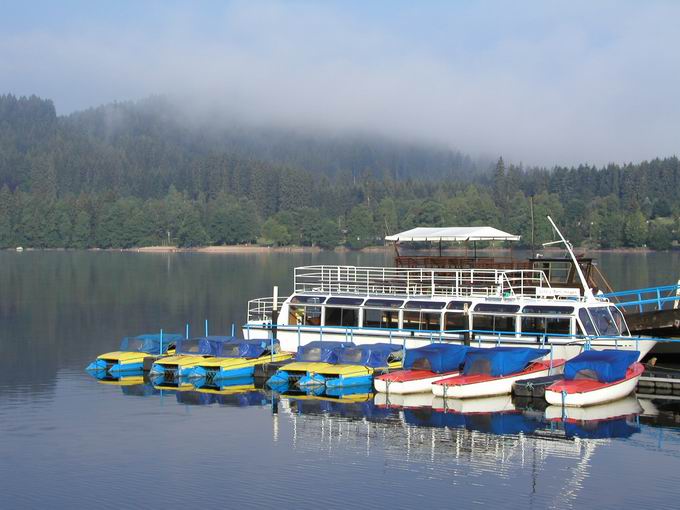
315	249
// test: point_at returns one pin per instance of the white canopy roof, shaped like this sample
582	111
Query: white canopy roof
453	234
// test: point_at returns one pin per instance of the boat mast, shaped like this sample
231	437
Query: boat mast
587	291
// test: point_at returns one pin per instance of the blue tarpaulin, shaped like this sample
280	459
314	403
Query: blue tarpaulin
255	348
326	352
149	343
438	358
608	365
501	361
203	346
370	355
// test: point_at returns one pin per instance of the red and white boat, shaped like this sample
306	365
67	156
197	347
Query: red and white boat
490	372
422	367
596	377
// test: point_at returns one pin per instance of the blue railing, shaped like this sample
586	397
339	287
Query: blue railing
474	335
657	296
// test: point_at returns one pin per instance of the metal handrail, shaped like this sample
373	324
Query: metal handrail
419	281
641	301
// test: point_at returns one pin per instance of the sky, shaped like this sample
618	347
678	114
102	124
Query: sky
541	83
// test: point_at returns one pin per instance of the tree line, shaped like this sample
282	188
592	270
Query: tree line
135	174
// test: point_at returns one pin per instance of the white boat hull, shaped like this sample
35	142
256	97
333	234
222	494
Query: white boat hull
408	387
608	393
498	386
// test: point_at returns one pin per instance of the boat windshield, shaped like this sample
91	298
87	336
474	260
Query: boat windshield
604	322
230	350
620	321
132	344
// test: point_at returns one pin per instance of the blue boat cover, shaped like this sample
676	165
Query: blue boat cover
369	355
239	348
501	361
150	343
438	358
608	365
203	346
326	352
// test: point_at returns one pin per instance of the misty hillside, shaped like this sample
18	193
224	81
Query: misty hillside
134	174
143	147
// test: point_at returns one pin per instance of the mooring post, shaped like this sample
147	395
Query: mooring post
161	349
233	329
206	327
186	331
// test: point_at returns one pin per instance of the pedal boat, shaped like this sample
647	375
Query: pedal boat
490	372
316	355
189	353
236	360
595	377
422	367
356	366
132	353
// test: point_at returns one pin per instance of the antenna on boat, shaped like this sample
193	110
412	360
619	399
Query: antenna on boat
587	291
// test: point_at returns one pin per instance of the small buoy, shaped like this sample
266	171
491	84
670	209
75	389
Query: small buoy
20	248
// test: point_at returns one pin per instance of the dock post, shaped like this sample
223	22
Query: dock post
233	329
186	331
275	309
206	327
161	349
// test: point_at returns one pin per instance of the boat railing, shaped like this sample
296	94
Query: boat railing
647	299
473	336
262	309
423	281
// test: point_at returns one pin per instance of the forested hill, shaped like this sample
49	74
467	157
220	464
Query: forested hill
130	174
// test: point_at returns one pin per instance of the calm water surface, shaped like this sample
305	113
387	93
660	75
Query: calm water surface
69	441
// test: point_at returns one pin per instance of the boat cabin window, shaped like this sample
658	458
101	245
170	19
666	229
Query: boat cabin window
317	300
375	318
304	315
348	317
384	303
496	323
548	310
620	321
456	321
604	322
345	301
425	321
427	305
546	325
459	305
587	323
496	308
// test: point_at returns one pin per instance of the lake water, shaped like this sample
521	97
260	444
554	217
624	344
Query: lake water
69	441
